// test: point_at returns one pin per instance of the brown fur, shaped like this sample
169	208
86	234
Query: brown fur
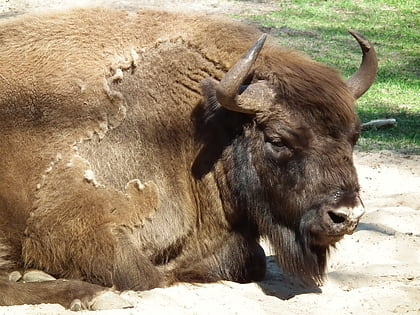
93	103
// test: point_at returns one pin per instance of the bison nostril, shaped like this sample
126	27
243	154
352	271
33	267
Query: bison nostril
337	217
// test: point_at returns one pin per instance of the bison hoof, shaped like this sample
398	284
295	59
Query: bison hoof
15	276
109	300
37	276
76	305
106	300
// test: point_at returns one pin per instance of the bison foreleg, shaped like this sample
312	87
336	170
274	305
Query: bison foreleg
72	294
236	258
132	270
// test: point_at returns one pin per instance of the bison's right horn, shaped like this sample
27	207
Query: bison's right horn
227	91
362	80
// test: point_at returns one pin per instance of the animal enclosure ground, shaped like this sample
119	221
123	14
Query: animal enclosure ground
374	271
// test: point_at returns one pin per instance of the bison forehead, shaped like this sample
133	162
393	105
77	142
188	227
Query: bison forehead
299	124
306	88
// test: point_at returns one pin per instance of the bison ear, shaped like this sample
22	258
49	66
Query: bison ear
232	94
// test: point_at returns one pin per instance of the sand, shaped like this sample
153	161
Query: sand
374	271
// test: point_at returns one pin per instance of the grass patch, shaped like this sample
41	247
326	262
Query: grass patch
319	28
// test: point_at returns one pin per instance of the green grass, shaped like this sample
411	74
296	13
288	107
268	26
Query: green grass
319	28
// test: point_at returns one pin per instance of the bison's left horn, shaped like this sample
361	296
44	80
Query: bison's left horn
362	80
227	91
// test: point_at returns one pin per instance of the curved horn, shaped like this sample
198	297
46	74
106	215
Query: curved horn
361	81
228	88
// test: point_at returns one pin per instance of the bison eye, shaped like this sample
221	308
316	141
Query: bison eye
278	151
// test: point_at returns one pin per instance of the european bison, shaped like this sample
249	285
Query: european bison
142	149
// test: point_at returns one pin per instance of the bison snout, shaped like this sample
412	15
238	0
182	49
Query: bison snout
345	218
333	222
344	214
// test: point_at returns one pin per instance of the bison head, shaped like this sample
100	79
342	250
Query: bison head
280	132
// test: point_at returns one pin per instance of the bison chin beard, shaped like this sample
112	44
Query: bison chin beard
297	256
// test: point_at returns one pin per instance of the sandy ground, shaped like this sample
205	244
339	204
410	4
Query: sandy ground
374	271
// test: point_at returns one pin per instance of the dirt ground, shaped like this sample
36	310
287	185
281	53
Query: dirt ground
374	271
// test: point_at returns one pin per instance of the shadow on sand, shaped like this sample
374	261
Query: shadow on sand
281	285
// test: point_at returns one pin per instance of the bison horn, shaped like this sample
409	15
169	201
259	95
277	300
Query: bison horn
361	81
227	91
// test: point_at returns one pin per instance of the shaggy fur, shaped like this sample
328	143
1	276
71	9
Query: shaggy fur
120	168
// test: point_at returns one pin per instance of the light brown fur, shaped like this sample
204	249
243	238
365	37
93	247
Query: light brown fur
97	111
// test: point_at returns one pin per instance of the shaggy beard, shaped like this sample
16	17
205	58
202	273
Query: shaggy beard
297	256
